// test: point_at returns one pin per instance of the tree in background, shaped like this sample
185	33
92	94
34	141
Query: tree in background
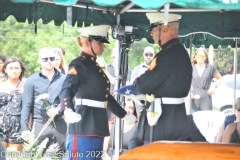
19	39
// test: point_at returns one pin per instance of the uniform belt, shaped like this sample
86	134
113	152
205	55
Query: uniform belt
91	103
155	111
167	100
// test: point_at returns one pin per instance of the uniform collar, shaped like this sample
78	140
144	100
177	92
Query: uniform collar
88	56
170	43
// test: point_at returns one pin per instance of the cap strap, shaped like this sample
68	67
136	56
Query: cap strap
90	40
159	40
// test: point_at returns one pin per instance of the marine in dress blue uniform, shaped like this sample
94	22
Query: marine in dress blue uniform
168	79
89	86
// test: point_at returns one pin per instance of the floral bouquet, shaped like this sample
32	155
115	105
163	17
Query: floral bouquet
32	151
44	97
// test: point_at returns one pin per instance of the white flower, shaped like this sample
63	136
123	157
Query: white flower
43	144
53	149
41	147
41	97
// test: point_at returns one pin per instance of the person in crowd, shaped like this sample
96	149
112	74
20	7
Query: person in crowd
232	131
148	56
2	60
111	70
128	130
87	82
60	63
62	50
228	120
202	77
11	103
168	81
46	81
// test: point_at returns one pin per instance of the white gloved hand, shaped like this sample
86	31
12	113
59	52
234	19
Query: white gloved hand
71	117
130	118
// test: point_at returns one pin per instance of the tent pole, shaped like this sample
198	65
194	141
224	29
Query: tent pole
127	7
116	85
235	72
189	101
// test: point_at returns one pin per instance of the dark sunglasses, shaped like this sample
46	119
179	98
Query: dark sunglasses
148	55
48	58
238	109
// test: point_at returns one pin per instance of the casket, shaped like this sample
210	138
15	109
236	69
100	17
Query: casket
170	150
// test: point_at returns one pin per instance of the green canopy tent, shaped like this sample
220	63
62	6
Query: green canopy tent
220	23
216	24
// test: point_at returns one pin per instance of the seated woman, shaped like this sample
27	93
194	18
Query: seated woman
231	133
128	130
10	103
228	120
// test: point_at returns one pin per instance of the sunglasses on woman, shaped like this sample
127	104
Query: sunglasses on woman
201	57
48	58
238	109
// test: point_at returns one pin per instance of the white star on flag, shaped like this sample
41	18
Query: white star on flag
127	92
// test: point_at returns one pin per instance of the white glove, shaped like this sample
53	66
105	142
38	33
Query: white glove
71	117
130	118
135	97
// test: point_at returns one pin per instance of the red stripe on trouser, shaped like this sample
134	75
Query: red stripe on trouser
75	147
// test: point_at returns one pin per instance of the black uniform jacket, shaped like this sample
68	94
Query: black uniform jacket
86	80
170	76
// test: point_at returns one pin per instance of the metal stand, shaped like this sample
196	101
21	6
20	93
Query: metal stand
124	41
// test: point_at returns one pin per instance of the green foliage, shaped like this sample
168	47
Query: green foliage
19	39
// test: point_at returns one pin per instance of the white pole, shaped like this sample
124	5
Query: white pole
117	122
235	72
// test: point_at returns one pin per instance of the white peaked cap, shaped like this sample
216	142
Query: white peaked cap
148	49
100	30
159	17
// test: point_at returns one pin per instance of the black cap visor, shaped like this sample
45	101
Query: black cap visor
100	39
153	25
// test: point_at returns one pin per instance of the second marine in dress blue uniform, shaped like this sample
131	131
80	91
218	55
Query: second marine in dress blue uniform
168	78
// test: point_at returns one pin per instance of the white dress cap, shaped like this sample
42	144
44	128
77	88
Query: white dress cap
149	49
159	17
100	30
